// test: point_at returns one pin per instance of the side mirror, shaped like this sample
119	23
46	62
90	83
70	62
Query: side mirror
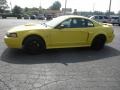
61	26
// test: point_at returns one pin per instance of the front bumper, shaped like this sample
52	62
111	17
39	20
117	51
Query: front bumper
12	42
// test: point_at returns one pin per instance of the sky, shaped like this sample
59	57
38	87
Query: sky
80	5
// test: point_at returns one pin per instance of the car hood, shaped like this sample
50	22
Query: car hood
30	27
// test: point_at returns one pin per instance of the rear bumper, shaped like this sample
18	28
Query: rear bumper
110	38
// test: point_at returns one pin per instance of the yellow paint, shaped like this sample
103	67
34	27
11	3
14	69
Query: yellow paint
60	38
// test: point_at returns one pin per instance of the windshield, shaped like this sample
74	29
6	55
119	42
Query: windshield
55	21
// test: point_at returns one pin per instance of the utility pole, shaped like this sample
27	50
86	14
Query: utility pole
11	6
40	8
65	6
93	8
110	7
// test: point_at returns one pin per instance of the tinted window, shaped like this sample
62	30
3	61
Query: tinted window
90	24
67	23
77	23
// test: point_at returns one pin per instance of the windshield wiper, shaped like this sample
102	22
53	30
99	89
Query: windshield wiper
44	24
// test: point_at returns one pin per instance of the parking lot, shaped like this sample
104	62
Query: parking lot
59	69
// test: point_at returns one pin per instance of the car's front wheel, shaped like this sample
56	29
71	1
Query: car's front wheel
98	42
33	44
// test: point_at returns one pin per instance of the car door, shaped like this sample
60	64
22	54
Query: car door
73	33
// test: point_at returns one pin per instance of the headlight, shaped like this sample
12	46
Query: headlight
12	35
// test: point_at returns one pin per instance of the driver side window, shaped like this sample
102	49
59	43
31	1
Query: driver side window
76	23
66	23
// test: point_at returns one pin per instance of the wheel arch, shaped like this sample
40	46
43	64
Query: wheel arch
34	35
100	35
98	42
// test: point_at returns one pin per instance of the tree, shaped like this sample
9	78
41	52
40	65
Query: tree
26	10
56	6
17	10
31	11
3	5
34	11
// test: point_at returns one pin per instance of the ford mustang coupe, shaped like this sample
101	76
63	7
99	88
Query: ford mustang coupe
61	32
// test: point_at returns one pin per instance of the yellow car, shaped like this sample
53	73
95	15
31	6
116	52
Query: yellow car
61	32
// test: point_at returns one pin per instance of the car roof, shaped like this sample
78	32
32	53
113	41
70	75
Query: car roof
73	16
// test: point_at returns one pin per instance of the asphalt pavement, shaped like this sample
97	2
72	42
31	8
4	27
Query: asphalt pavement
59	69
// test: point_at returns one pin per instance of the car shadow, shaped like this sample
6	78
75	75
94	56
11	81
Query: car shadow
64	56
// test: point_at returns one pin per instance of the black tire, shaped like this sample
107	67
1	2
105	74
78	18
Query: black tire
119	24
98	42
33	44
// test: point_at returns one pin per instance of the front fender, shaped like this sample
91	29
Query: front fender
42	34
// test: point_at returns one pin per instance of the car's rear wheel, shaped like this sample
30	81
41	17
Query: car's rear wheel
33	44
98	42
